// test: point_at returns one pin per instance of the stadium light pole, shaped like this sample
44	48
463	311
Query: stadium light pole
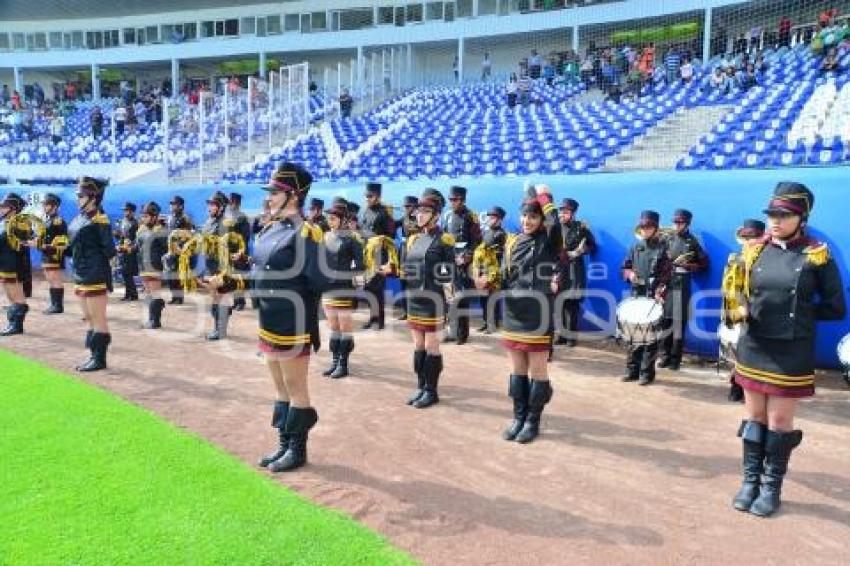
95	82
460	47
706	36
175	77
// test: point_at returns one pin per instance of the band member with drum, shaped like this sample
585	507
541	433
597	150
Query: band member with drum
750	229
530	281
125	235
688	258
316	216
791	282
647	269
239	223
579	243
288	281
487	267
429	263
463	225
52	247
406	225
376	226
150	247
177	220
14	235
91	248
343	254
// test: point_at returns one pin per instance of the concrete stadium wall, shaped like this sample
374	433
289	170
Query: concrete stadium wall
610	204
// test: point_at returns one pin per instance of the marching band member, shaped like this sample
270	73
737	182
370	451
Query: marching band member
52	247
288	281
407	226
463	225
428	266
91	248
688	258
315	214
579	243
150	247
125	235
376	226
343	255
353	216
177	220
790	283
238	222
647	269
750	229
487	266
530	281
13	239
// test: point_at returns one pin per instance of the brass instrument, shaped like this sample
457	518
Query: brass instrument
22	228
485	263
371	255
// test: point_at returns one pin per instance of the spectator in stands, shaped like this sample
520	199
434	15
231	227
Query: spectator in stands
96	122
686	71
535	65
16	100
38	94
825	18
511	90
587	70
131	119
4	96
572	72
671	63
549	71
70	92
524	89
748	78
784	32
717	81
346	103
18	122
486	66
141	111
830	62
120	116
57	128
27	123
760	65
456	68
177	35
755	38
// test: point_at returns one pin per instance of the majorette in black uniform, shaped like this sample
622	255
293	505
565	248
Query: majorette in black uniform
150	247
288	281
487	264
14	233
750	229
343	256
91	248
220	244
315	214
376	227
688	258
239	223
648	269
789	285
579	244
52	247
125	235
179	227
529	268
406	226
428	266
463	225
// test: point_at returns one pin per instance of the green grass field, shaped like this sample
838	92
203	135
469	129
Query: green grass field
87	478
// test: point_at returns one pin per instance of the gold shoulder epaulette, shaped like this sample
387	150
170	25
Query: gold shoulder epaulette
447	239
473	217
817	253
312	232
57	221
100	219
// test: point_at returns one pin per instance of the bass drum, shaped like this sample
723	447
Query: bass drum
639	321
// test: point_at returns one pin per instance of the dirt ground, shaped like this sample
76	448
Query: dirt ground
621	473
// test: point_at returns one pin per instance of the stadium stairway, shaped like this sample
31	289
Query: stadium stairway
663	145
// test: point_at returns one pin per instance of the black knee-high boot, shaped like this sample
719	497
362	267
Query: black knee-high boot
418	363
346	345
777	453
752	434
518	390
57	299
299	421
155	308
539	393
333	346
431	368
281	409
15	319
99	345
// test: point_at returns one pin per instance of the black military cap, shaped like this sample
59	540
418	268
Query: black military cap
339	207
290	178
457	192
51	198
218	198
532	206
151	209
130	206
235	198
410	200
178	200
92	187
353	208
793	197
750	228
13	200
682	215
497	211
569	204
374	189
649	218
433	199
317	203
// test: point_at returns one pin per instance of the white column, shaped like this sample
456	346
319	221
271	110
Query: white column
409	65
19	80
95	82
474	8
372	78
338	79
706	36
575	39
460	45
360	70
393	79
175	78
383	73
262	64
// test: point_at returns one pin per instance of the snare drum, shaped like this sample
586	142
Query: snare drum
639	321
728	342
